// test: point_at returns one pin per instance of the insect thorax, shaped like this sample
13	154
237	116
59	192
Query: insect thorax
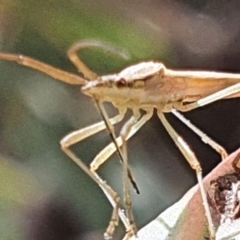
138	86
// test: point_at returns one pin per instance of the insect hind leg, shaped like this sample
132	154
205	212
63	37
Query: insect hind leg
229	92
194	163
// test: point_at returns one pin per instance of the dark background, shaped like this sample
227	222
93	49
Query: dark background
43	195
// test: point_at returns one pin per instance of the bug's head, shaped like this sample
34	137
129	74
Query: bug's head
122	85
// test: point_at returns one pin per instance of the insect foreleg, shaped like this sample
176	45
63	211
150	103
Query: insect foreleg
81	134
218	148
123	156
109	192
111	148
194	163
126	190
113	197
113	137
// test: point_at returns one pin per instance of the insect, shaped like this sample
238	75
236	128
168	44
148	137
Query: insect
145	86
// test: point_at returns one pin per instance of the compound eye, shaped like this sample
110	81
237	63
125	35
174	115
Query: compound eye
121	83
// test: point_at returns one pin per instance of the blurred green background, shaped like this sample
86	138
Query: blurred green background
43	195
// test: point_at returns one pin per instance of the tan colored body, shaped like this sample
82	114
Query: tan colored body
157	87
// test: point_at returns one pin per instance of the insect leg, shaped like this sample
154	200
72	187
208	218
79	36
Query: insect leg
45	68
109	192
225	93
113	137
132	230
111	148
218	148
194	163
81	134
113	197
82	67
126	190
